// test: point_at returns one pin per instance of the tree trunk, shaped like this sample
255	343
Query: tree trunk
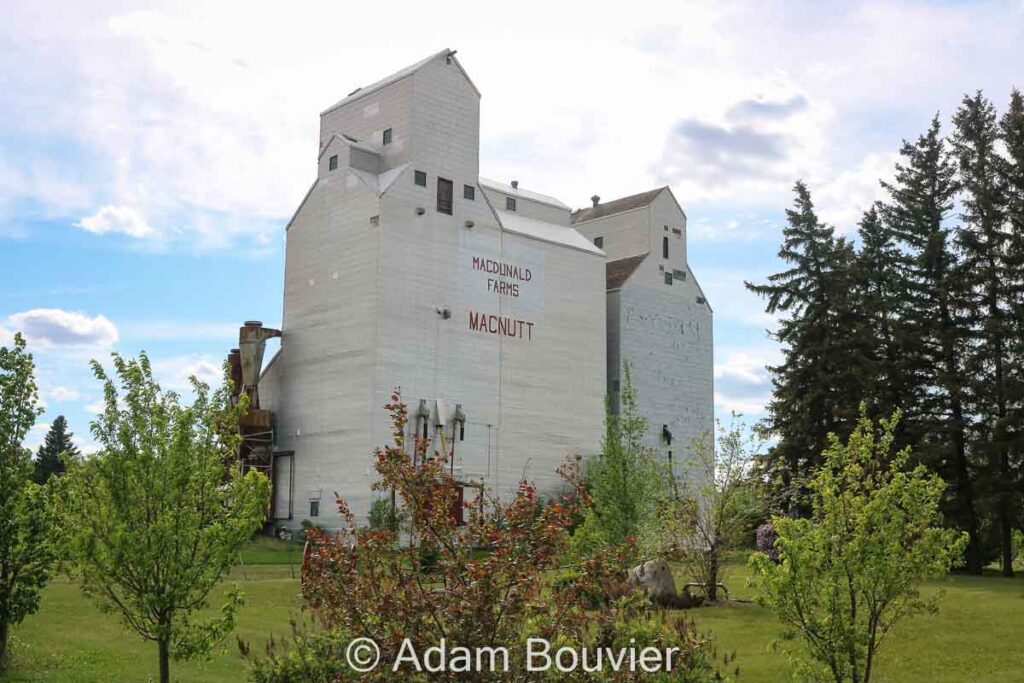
963	485
165	664
999	433
1006	530
712	587
5	631
965	496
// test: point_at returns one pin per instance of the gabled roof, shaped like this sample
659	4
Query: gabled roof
525	194
399	75
351	142
617	272
545	231
629	203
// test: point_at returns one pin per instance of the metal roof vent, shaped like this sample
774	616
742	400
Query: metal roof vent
515	184
596	200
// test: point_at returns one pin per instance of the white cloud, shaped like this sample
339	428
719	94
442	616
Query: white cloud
181	121
742	381
59	393
732	301
35	437
50	327
96	407
843	200
173	373
85	447
117	219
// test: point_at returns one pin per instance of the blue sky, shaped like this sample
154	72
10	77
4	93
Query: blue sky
152	152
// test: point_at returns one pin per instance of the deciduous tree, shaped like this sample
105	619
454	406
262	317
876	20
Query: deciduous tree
156	518
26	547
716	505
848	573
624	482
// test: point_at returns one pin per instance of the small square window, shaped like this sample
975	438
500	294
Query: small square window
510	203
468	192
332	163
668	278
421	178
387	136
599	242
314	508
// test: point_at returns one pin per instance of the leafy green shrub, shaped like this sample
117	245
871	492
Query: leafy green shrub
309	528
850	571
385	516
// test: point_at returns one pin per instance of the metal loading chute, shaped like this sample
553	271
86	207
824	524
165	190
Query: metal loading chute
256	426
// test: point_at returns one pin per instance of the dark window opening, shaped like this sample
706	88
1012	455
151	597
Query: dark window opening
668	278
387	136
444	196
332	163
599	242
468	192
421	178
664	247
314	508
510	203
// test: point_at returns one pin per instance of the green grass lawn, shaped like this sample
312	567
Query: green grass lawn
976	636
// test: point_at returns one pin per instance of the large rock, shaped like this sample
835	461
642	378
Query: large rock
655	577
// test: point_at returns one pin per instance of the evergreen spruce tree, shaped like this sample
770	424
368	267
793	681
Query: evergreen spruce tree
48	461
988	279
937	303
812	393
1012	171
880	298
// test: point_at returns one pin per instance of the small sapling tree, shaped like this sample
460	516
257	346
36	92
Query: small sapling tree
848	573
624	482
158	515
715	507
26	548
